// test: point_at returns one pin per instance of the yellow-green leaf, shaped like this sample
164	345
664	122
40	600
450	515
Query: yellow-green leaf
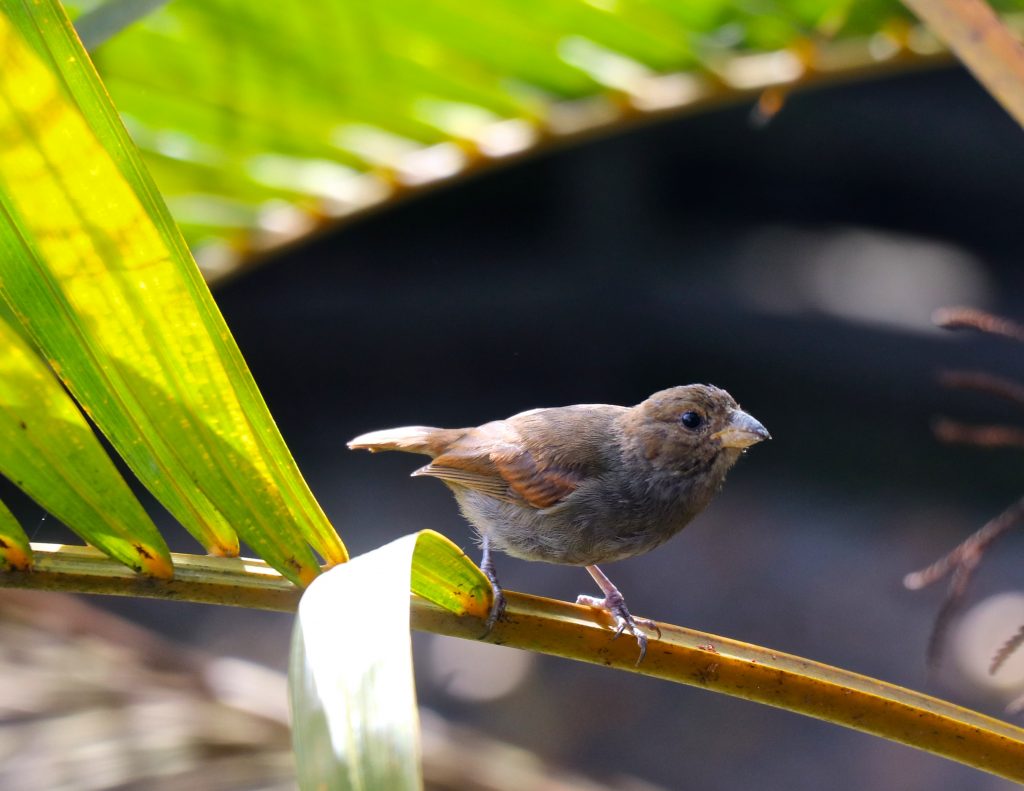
49	451
98	274
353	699
326	109
442	573
15	551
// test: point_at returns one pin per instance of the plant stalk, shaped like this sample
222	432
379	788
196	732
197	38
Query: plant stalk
561	629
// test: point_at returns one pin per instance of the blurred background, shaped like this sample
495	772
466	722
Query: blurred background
794	262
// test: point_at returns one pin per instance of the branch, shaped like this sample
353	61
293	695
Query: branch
959	318
984	45
681	655
982	382
952	432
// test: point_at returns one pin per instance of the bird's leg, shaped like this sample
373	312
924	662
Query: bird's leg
497	598
616	605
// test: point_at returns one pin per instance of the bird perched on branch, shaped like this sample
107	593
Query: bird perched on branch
585	484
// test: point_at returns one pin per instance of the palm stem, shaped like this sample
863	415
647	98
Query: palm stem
574	632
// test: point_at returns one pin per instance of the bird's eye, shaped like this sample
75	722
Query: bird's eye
692	420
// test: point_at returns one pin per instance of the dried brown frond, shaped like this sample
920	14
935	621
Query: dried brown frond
960	318
952	431
964	559
1006	651
961	562
768	105
981	382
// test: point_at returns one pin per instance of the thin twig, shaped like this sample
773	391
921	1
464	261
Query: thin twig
962	562
950	606
972	547
1006	651
952	431
981	382
960	318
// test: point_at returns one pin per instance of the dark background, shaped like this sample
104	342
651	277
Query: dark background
794	264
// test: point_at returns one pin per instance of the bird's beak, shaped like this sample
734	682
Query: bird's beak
742	431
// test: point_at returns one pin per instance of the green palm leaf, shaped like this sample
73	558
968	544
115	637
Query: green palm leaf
101	280
262	122
48	449
15	551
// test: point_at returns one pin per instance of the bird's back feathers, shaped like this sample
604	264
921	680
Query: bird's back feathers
505	459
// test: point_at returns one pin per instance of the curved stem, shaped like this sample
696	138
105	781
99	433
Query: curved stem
983	44
235	582
582	633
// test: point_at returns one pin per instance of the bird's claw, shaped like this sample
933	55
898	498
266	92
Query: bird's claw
497	607
497	597
624	620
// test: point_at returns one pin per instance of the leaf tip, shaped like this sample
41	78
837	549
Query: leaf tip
336	555
304	573
222	547
154	562
14	557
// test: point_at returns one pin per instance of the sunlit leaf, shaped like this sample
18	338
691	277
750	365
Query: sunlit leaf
370	100
99	276
15	551
442	573
49	451
354	715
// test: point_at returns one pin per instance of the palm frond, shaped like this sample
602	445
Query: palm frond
265	123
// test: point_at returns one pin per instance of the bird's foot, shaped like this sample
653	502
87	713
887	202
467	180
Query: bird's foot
497	605
497	597
624	620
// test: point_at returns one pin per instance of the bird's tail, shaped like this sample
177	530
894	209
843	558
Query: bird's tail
411	439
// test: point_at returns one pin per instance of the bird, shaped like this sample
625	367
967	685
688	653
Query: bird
586	484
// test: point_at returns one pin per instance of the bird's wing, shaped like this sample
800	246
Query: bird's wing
510	475
471	472
499	460
540	482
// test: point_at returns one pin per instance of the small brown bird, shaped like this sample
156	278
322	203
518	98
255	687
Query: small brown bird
585	484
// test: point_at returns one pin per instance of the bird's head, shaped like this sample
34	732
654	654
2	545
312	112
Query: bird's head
691	428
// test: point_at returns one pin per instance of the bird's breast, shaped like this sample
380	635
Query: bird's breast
602	521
